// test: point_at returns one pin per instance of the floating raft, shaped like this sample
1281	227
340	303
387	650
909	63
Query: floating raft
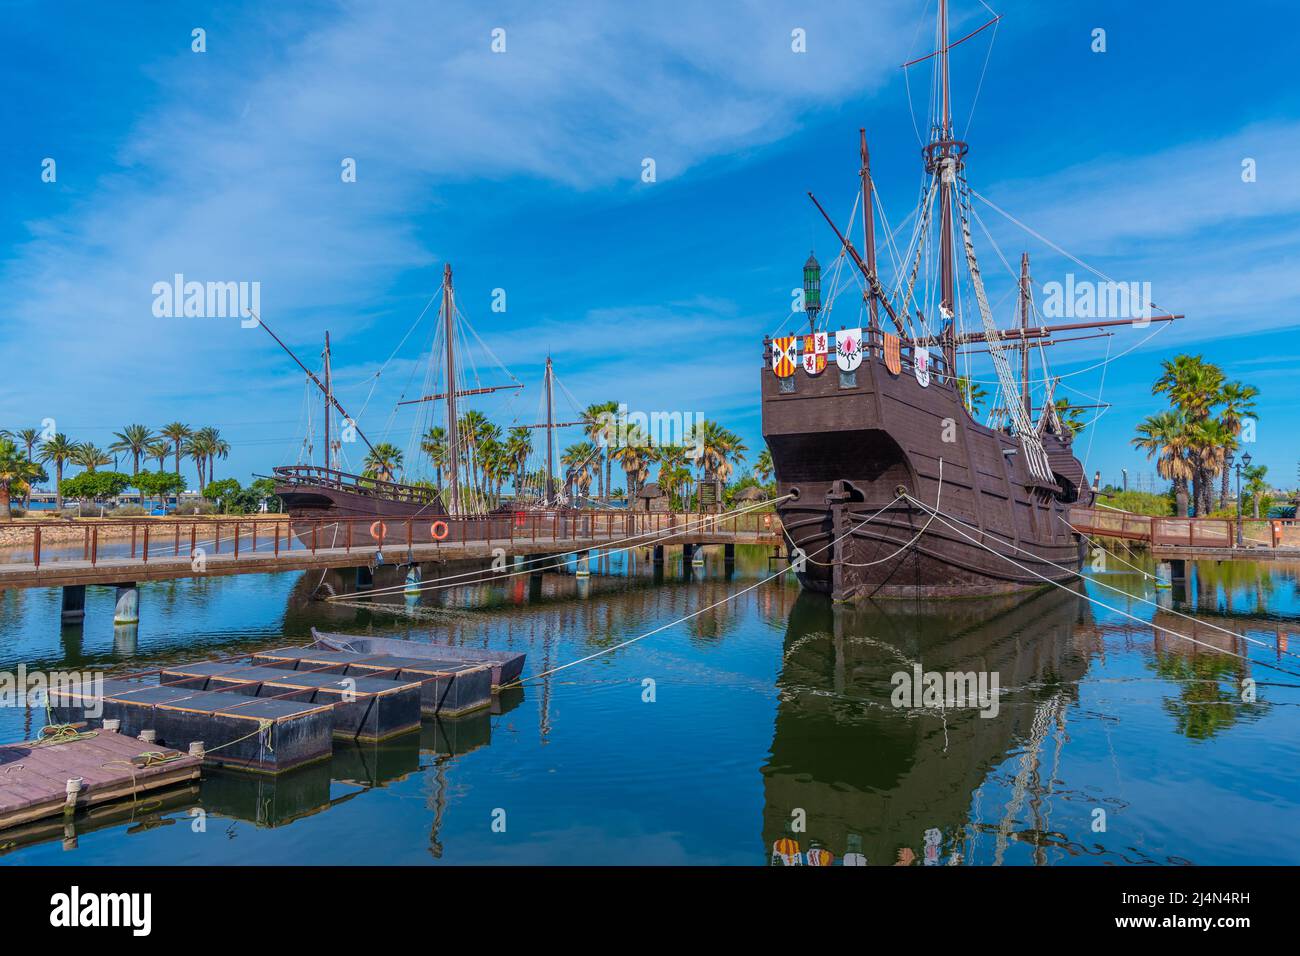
42	779
263	735
506	665
365	708
446	689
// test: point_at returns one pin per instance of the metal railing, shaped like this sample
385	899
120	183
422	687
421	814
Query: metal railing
240	537
1188	532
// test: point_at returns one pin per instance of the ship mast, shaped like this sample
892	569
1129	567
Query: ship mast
947	164
550	431
1024	327
329	397
453	436
868	230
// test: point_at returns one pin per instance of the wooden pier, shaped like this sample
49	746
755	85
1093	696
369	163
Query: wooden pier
1196	539
53	776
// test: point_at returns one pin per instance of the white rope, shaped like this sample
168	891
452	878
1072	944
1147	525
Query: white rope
551	558
1102	604
916	537
693	614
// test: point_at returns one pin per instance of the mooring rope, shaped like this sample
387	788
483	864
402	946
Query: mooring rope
1093	600
519	682
915	538
492	574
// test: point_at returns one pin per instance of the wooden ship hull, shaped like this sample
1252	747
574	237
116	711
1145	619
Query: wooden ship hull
842	454
324	503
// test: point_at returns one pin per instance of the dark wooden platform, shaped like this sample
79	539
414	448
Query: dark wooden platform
34	776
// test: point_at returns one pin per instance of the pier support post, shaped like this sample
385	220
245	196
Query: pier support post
535	563
1177	569
583	569
127	608
74	603
688	555
365	578
659	555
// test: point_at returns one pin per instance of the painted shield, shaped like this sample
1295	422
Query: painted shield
819	856
921	365
893	360
785	852
784	356
815	348
848	349
855	859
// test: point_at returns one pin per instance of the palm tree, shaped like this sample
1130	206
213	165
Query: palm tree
58	449
177	433
519	446
133	438
598	425
383	461
434	444
634	456
215	446
763	466
17	471
473	427
28	437
1238	402
1255	485
582	460
198	447
673	473
1193	386
90	456
1165	435
973	394
1209	438
1071	417
159	450
720	450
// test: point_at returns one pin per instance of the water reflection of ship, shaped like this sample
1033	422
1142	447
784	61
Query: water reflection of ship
886	782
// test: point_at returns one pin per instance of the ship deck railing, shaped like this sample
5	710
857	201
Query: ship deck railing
318	476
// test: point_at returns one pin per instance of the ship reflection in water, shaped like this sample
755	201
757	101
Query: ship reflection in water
853	779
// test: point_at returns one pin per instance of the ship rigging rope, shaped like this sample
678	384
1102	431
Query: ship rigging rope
1102	604
938	493
519	682
650	536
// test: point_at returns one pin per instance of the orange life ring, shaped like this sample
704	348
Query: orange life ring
382	531
433	530
767	521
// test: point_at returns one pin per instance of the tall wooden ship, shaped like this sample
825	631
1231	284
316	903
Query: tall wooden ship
859	419
320	496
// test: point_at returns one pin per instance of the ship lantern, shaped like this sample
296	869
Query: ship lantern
812	286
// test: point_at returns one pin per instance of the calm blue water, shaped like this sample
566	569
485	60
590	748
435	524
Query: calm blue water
771	719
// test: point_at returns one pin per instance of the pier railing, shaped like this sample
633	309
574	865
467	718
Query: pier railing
1210	533
237	537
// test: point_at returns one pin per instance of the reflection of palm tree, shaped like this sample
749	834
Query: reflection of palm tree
1207	703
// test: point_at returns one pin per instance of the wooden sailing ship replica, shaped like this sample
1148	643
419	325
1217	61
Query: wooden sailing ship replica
325	496
859	419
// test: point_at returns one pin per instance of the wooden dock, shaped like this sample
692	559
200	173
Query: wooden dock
40	779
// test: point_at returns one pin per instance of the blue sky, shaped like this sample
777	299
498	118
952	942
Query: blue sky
524	170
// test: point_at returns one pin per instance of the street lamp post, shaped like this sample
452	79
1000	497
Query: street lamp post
1239	468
